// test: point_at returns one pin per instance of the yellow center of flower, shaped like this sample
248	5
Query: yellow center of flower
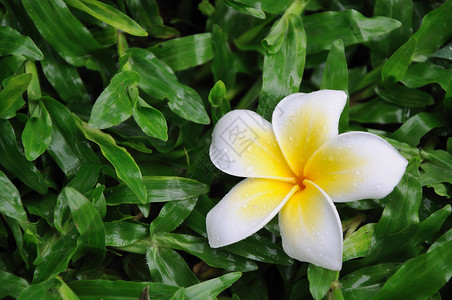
299	181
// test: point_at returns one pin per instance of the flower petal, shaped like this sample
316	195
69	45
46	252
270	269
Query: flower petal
243	144
250	205
311	229
356	165
303	122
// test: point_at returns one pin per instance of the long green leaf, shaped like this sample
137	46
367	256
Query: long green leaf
11	95
159	81
109	15
125	166
12	285
12	42
283	70
62	30
322	29
68	147
16	163
166	266
11	205
113	106
37	133
159	189
185	52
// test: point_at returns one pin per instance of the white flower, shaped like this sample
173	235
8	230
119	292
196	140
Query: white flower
297	166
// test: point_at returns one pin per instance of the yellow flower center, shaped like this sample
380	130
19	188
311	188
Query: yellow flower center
299	181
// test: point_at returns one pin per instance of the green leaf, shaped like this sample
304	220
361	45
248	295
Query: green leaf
438	164
124	233
12	285
366	282
259	248
172	215
210	289
335	77
322	29
185	52
109	15
114	289
65	292
403	203
401	10
88	222
68	148
39	291
320	280
159	81
275	38
12	42
421	45
11	95
37	133
65	79
397	65
404	243
223	61
421	74
358	243
416	127
146	12
378	111
62	30
401	95
58	252
166	266
113	106
159	189
283	70
13	161
150	120
11	204
198	247
420	277
251	9
126	168
9	65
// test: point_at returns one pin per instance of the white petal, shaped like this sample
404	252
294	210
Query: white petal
243	144
311	229
303	122
250	205
356	165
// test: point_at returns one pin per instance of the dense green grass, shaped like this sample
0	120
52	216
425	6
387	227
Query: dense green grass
106	116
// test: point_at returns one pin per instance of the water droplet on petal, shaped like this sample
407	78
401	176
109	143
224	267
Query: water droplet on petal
378	187
245	205
291	138
358	172
249	169
256	207
249	149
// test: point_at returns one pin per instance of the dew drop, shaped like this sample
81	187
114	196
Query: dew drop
256	207
246	195
264	207
245	205
249	149
378	187
249	169
218	238
291	138
358	172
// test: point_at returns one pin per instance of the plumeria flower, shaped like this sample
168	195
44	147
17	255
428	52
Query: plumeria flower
298	166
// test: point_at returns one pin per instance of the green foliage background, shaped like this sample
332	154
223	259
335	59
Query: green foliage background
106	114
